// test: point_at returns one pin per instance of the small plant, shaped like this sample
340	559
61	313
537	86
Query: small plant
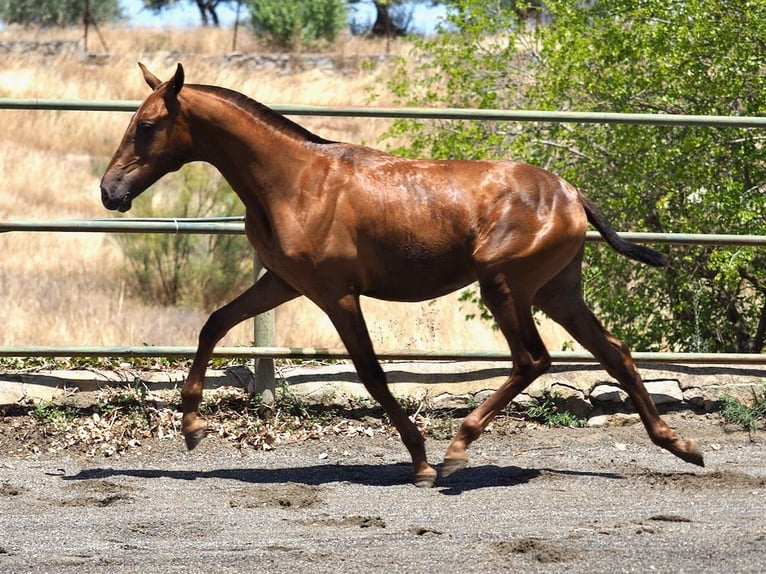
735	411
549	410
135	403
288	403
48	412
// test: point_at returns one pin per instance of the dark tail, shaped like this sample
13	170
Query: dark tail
620	245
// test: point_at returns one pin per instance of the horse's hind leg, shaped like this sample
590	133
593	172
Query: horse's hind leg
561	299
513	314
268	292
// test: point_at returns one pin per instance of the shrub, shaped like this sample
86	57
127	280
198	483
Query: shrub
56	12
297	24
192	270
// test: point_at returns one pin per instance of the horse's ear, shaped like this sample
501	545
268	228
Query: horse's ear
178	80
150	78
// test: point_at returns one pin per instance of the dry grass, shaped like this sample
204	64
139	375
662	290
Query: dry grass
70	289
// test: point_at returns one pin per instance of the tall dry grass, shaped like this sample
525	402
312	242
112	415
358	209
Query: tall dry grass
70	288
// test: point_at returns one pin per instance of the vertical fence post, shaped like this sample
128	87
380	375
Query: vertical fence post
264	383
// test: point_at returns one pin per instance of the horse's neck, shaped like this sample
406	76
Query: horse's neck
256	158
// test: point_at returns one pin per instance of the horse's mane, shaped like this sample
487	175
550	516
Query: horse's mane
262	112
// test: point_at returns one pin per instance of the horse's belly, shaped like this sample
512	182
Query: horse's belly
407	282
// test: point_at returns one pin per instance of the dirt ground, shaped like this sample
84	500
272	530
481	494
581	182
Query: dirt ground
535	499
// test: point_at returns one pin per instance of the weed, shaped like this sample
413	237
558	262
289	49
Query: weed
734	411
549	410
48	412
288	403
441	427
135	404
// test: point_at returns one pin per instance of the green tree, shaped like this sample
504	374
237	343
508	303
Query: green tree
692	57
56	12
299	23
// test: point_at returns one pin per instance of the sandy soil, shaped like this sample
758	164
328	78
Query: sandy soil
534	500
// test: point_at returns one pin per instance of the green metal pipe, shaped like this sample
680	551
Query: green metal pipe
118	225
419	113
525	116
318	353
236	226
69	105
685	238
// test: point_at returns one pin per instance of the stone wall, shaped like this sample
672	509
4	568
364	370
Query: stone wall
587	388
280	63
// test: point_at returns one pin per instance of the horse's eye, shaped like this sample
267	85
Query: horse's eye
144	129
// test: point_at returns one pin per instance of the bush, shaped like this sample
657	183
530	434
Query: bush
299	23
57	12
191	270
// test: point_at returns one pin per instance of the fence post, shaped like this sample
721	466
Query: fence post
264	382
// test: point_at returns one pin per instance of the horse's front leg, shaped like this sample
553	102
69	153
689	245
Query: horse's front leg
268	292
346	315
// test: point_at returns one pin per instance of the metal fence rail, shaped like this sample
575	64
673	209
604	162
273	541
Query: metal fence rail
321	353
470	114
236	226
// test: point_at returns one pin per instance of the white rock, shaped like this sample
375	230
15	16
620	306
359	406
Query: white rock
664	392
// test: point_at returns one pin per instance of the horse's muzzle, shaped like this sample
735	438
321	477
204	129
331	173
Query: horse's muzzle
121	204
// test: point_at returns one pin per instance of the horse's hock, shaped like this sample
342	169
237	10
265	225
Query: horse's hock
587	390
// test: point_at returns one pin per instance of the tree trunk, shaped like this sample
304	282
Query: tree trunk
384	24
202	12
207	12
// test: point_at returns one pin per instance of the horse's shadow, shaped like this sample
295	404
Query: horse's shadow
378	475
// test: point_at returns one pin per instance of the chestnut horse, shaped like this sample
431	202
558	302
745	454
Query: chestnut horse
334	221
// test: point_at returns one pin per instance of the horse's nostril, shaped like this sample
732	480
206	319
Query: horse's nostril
108	201
105	199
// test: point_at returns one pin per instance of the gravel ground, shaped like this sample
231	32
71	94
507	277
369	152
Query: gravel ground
534	500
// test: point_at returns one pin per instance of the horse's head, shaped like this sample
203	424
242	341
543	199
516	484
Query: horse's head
156	142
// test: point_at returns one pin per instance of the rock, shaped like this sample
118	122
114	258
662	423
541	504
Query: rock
623	419
573	399
663	392
597	421
524	400
615	420
608	394
482	396
696	398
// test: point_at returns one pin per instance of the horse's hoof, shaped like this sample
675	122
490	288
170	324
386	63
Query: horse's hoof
453	465
193	437
425	479
693	453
